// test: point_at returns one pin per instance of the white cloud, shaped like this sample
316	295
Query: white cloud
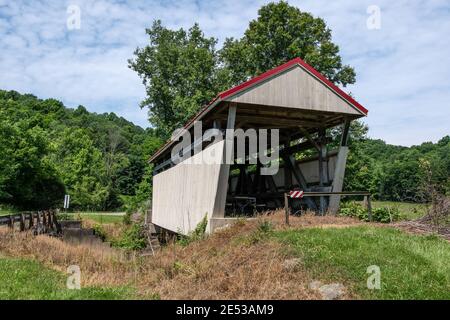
402	69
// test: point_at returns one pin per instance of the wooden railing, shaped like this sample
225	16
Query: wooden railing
40	222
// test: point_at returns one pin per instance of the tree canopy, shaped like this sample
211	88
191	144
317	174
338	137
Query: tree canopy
280	33
48	150
182	70
179	71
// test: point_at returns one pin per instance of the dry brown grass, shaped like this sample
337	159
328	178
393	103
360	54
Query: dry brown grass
223	266
112	230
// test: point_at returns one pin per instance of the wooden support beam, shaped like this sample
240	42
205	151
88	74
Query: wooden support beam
339	171
338	180
302	146
322	174
274	120
310	139
345	132
222	187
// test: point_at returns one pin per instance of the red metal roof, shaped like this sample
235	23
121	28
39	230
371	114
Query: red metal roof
264	76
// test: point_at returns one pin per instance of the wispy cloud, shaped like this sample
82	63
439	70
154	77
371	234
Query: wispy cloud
402	68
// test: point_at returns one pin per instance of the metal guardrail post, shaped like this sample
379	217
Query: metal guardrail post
286	207
369	208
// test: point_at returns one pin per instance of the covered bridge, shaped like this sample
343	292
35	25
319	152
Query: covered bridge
293	98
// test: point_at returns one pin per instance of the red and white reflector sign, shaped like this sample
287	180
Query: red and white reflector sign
296	194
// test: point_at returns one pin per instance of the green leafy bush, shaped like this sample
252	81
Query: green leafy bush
133	238
356	210
385	215
99	231
197	234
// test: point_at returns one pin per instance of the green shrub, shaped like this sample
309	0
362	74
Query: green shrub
197	234
133	238
386	214
356	210
99	231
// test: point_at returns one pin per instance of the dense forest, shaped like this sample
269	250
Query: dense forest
398	173
48	150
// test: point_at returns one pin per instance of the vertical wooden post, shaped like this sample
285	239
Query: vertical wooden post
228	158
22	222
322	174
44	219
286	207
369	208
49	219
11	222
339	171
31	223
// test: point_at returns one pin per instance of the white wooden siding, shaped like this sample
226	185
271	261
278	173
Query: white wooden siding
185	193
295	88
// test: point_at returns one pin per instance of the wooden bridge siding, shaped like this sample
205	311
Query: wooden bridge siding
185	193
297	89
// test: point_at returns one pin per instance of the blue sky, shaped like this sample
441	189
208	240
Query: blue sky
403	68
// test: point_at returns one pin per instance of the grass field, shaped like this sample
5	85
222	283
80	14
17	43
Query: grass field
27	279
412	267
100	217
5	210
408	211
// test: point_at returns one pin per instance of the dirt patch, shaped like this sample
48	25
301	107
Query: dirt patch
423	228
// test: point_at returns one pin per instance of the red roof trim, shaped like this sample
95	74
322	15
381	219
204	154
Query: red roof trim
286	66
230	92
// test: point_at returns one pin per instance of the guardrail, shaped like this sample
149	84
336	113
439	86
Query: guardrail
40	222
366	195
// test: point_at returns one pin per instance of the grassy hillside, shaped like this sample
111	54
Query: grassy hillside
412	267
258	259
